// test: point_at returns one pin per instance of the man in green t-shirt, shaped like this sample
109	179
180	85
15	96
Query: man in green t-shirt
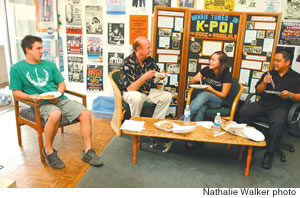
31	77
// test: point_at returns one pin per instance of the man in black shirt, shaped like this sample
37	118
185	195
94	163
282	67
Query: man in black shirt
274	106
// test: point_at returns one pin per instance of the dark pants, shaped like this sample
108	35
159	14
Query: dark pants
276	118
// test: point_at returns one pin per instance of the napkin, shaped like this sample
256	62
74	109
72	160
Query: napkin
133	125
205	124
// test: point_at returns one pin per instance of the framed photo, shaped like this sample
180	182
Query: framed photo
257	74
173	68
245	89
175	44
265	66
249	25
164	42
229	49
257	50
270	34
164	32
192	65
248	49
260	34
253	42
176	36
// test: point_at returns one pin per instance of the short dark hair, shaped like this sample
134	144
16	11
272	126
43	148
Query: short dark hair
287	54
28	41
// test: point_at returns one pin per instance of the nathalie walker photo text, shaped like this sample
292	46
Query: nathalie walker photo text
249	191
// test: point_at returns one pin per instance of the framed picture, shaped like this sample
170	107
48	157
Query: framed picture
192	65
257	74
176	36
245	89
265	66
249	25
229	49
257	50
164	32
270	34
173	68
253	42
260	34
175	44
248	49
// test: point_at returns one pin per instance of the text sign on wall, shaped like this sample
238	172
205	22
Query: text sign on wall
215	26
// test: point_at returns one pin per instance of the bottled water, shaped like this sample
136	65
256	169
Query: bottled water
217	123
187	115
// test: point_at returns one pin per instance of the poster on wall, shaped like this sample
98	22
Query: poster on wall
44	10
290	33
95	49
246	5
115	7
94	78
94	19
186	3
138	26
116	33
115	60
74	40
292	9
225	5
75	69
165	3
138	3
270	5
73	12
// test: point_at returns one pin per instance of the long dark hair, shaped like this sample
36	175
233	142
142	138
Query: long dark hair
224	64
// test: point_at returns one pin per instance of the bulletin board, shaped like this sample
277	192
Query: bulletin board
257	48
210	31
168	47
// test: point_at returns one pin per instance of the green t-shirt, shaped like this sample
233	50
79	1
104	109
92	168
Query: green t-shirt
35	79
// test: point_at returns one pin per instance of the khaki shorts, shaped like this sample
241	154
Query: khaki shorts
70	109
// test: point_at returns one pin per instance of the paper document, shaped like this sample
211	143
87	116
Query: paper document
133	125
205	124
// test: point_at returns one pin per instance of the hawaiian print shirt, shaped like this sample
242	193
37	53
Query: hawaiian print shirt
131	70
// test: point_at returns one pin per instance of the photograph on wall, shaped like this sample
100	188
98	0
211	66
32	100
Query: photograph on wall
271	5
229	49
173	68
115	7
186	3
244	77
270	34
192	65
75	69
257	74
94	20
165	3
74	40
178	24
290	33
73	12
138	3
115	60
49	48
138	26
175	44
116	33
176	36
292	9
94	77
260	34
171	111
44	10
245	5
225	5
95	49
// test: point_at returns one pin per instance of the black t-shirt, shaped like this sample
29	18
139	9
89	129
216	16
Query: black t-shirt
211	78
290	81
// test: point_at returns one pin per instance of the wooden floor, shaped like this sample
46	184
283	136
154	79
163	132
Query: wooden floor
23	163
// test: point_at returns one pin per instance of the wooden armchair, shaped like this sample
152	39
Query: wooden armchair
32	117
227	113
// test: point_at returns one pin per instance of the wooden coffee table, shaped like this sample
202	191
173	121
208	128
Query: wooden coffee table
199	134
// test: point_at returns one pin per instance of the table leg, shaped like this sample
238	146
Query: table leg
248	161
241	152
140	143
134	139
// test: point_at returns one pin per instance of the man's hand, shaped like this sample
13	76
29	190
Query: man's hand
285	94
36	98
267	79
149	75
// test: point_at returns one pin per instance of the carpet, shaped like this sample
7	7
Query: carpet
207	165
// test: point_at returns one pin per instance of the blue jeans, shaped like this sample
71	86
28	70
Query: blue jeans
201	102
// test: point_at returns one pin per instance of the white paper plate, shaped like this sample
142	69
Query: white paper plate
157	125
197	86
273	92
254	134
161	75
183	129
55	94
